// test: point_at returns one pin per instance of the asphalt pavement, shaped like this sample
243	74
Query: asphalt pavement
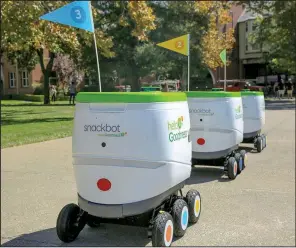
256	209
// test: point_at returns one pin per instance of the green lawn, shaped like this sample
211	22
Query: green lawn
28	122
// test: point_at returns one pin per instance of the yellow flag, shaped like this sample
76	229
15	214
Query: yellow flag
178	45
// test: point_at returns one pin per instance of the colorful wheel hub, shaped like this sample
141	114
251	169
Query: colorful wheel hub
235	168
197	206
168	233
184	218
240	163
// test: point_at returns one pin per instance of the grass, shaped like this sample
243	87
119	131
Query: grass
30	122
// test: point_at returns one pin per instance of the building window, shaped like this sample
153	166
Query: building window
11	76
250	46
25	81
255	46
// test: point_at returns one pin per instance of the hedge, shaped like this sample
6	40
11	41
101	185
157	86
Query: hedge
27	97
32	98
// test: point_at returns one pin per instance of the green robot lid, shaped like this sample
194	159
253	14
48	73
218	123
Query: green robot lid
130	97
212	94
252	93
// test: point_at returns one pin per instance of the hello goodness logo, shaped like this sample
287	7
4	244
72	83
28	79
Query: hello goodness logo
105	130
238	112
175	132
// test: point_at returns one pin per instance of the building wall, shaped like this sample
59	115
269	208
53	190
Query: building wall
243	54
232	71
18	88
35	76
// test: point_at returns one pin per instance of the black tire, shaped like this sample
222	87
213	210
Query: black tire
232	168
239	160
244	157
160	235
193	162
180	214
194	208
259	144
67	229
92	221
264	140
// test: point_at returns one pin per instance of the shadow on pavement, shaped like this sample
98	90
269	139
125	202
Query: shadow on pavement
248	149
279	104
106	235
203	174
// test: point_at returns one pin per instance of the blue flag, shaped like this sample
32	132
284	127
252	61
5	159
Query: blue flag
76	14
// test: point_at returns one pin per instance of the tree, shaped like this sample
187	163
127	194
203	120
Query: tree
276	32
128	23
67	71
214	41
22	32
202	19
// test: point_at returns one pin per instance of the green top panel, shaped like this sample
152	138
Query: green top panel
217	89
130	97
212	94
149	87
252	93
245	90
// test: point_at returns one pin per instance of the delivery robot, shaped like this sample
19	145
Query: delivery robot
217	129
254	118
131	158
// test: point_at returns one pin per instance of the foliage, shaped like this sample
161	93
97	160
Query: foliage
214	41
33	98
21	31
37	88
66	70
276	32
25	97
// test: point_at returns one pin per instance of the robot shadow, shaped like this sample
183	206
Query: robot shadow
107	235
248	149
203	174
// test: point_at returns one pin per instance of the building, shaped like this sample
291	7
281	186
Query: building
248	61
252	57
16	81
232	71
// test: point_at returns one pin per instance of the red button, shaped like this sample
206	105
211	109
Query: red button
201	141
104	184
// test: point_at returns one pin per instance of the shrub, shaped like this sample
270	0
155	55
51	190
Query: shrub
62	98
33	98
38	88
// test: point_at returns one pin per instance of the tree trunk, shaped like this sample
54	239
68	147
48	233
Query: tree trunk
46	72
46	88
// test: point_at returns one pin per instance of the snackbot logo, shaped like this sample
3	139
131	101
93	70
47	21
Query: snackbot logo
105	130
201	111
175	127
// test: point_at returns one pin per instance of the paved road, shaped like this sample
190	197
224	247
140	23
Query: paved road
256	209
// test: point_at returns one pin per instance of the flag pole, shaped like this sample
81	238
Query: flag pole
188	60
98	65
96	48
225	71
224	77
